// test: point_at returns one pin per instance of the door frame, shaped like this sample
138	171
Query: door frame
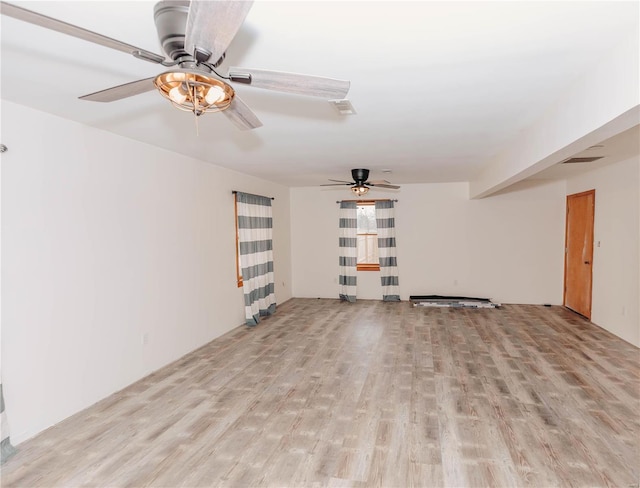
566	248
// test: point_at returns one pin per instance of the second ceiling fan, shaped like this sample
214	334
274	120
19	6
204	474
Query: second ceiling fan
360	185
194	37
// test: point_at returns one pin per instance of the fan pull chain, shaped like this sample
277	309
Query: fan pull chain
195	109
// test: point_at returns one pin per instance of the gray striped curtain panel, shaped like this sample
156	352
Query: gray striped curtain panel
385	221
255	233
6	449
348	242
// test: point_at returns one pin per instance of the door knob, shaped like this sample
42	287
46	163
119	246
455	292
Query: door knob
587	262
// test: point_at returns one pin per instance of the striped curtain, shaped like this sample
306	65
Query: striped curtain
6	449
255	231
385	221
348	242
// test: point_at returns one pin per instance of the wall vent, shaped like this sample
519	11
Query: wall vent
581	160
343	106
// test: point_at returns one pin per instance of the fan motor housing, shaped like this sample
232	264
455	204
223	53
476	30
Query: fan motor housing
360	175
170	17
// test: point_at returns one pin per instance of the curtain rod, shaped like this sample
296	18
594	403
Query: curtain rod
236	191
368	200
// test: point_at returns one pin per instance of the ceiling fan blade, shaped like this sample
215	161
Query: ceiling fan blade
338	184
342	181
241	115
75	31
212	25
378	182
382	185
121	91
315	86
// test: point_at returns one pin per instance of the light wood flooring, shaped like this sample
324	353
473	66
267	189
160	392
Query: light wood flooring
333	394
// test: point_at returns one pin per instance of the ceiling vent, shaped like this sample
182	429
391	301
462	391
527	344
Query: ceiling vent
581	160
343	106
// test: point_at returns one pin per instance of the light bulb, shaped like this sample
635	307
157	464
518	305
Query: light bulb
214	94
359	190
177	95
175	76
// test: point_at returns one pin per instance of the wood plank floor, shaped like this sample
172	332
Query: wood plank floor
332	394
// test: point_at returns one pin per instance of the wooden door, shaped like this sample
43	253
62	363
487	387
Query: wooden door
578	261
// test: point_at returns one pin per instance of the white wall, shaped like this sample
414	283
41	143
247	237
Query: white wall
616	265
605	101
507	247
105	239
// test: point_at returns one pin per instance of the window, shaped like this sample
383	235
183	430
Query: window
367	237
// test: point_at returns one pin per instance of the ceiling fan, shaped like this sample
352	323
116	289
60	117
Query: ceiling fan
194	37
360	185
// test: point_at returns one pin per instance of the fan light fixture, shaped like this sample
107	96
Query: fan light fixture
360	190
194	91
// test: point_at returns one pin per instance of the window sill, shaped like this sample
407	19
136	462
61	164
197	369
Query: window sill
368	267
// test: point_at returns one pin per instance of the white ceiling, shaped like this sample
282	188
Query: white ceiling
612	150
439	87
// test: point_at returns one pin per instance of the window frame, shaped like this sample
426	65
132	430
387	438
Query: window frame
239	281
367	266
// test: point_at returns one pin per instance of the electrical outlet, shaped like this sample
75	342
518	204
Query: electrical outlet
144	338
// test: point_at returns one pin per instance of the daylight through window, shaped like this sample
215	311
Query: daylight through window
367	238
